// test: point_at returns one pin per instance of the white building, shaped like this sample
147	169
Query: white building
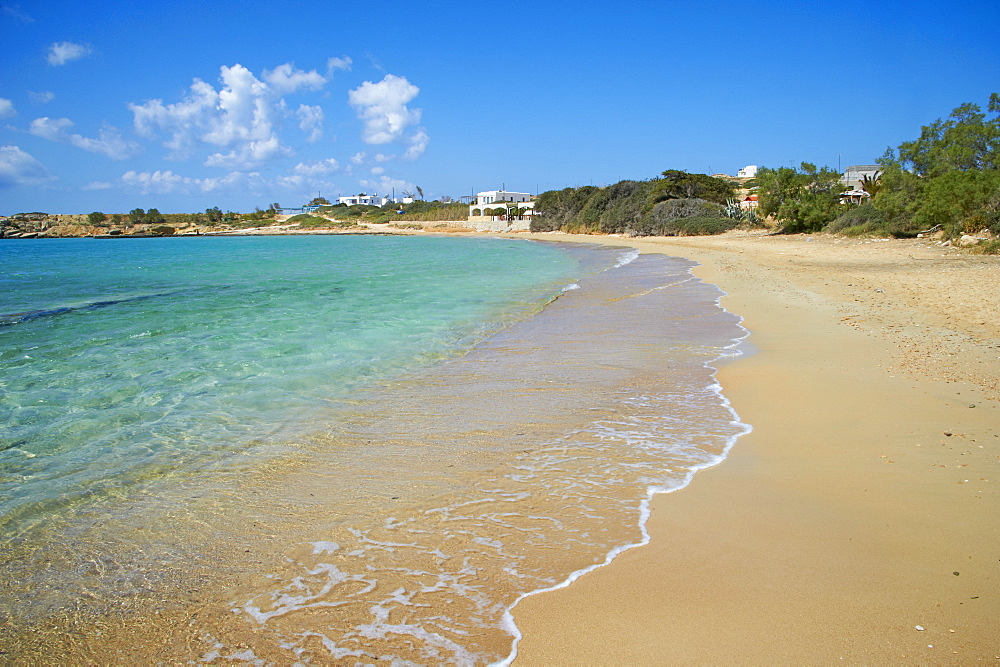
491	196
749	171
854	175
512	210
361	200
492	200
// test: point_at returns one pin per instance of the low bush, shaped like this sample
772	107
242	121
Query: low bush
988	247
856	217
698	225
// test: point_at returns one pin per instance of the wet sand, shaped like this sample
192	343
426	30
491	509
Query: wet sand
860	520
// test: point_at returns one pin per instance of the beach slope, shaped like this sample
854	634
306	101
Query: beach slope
859	520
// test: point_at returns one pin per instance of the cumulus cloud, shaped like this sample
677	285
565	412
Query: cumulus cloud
250	153
418	144
386	184
6	108
285	79
167	182
383	108
335	63
311	121
184	121
243	117
61	53
20	168
109	141
320	168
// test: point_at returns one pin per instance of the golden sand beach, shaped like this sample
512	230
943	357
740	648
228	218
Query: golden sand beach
860	520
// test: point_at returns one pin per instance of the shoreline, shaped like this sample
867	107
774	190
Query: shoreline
567	410
862	505
839	520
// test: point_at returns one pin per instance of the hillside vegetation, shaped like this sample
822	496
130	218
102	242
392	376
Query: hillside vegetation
947	180
677	204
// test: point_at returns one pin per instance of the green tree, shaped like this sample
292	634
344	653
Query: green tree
951	198
136	216
804	199
966	140
214	214
153	217
319	201
96	218
677	184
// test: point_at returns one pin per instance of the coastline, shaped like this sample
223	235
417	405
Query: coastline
857	520
839	525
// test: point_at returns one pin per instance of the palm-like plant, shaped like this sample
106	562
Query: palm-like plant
871	184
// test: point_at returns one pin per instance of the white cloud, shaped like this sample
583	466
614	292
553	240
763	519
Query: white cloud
358	158
311	121
97	185
6	108
184	121
387	184
338	63
320	168
16	14
167	182
158	182
43	97
20	168
250	153
382	107
243	116
285	79
378	170
418	144
61	53
109	141
309	175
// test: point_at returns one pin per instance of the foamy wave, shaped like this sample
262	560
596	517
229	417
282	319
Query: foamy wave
440	584
734	349
627	257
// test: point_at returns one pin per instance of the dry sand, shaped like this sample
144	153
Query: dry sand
860	521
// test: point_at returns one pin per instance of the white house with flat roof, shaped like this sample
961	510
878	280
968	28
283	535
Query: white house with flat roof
854	175
491	202
749	171
362	199
491	196
502	210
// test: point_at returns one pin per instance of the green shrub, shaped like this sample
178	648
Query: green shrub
988	247
867	220
864	216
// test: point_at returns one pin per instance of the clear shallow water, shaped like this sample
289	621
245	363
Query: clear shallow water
399	513
121	360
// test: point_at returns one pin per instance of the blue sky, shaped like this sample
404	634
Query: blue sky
109	106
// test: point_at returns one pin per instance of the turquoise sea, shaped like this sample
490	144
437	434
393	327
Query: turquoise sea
407	434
